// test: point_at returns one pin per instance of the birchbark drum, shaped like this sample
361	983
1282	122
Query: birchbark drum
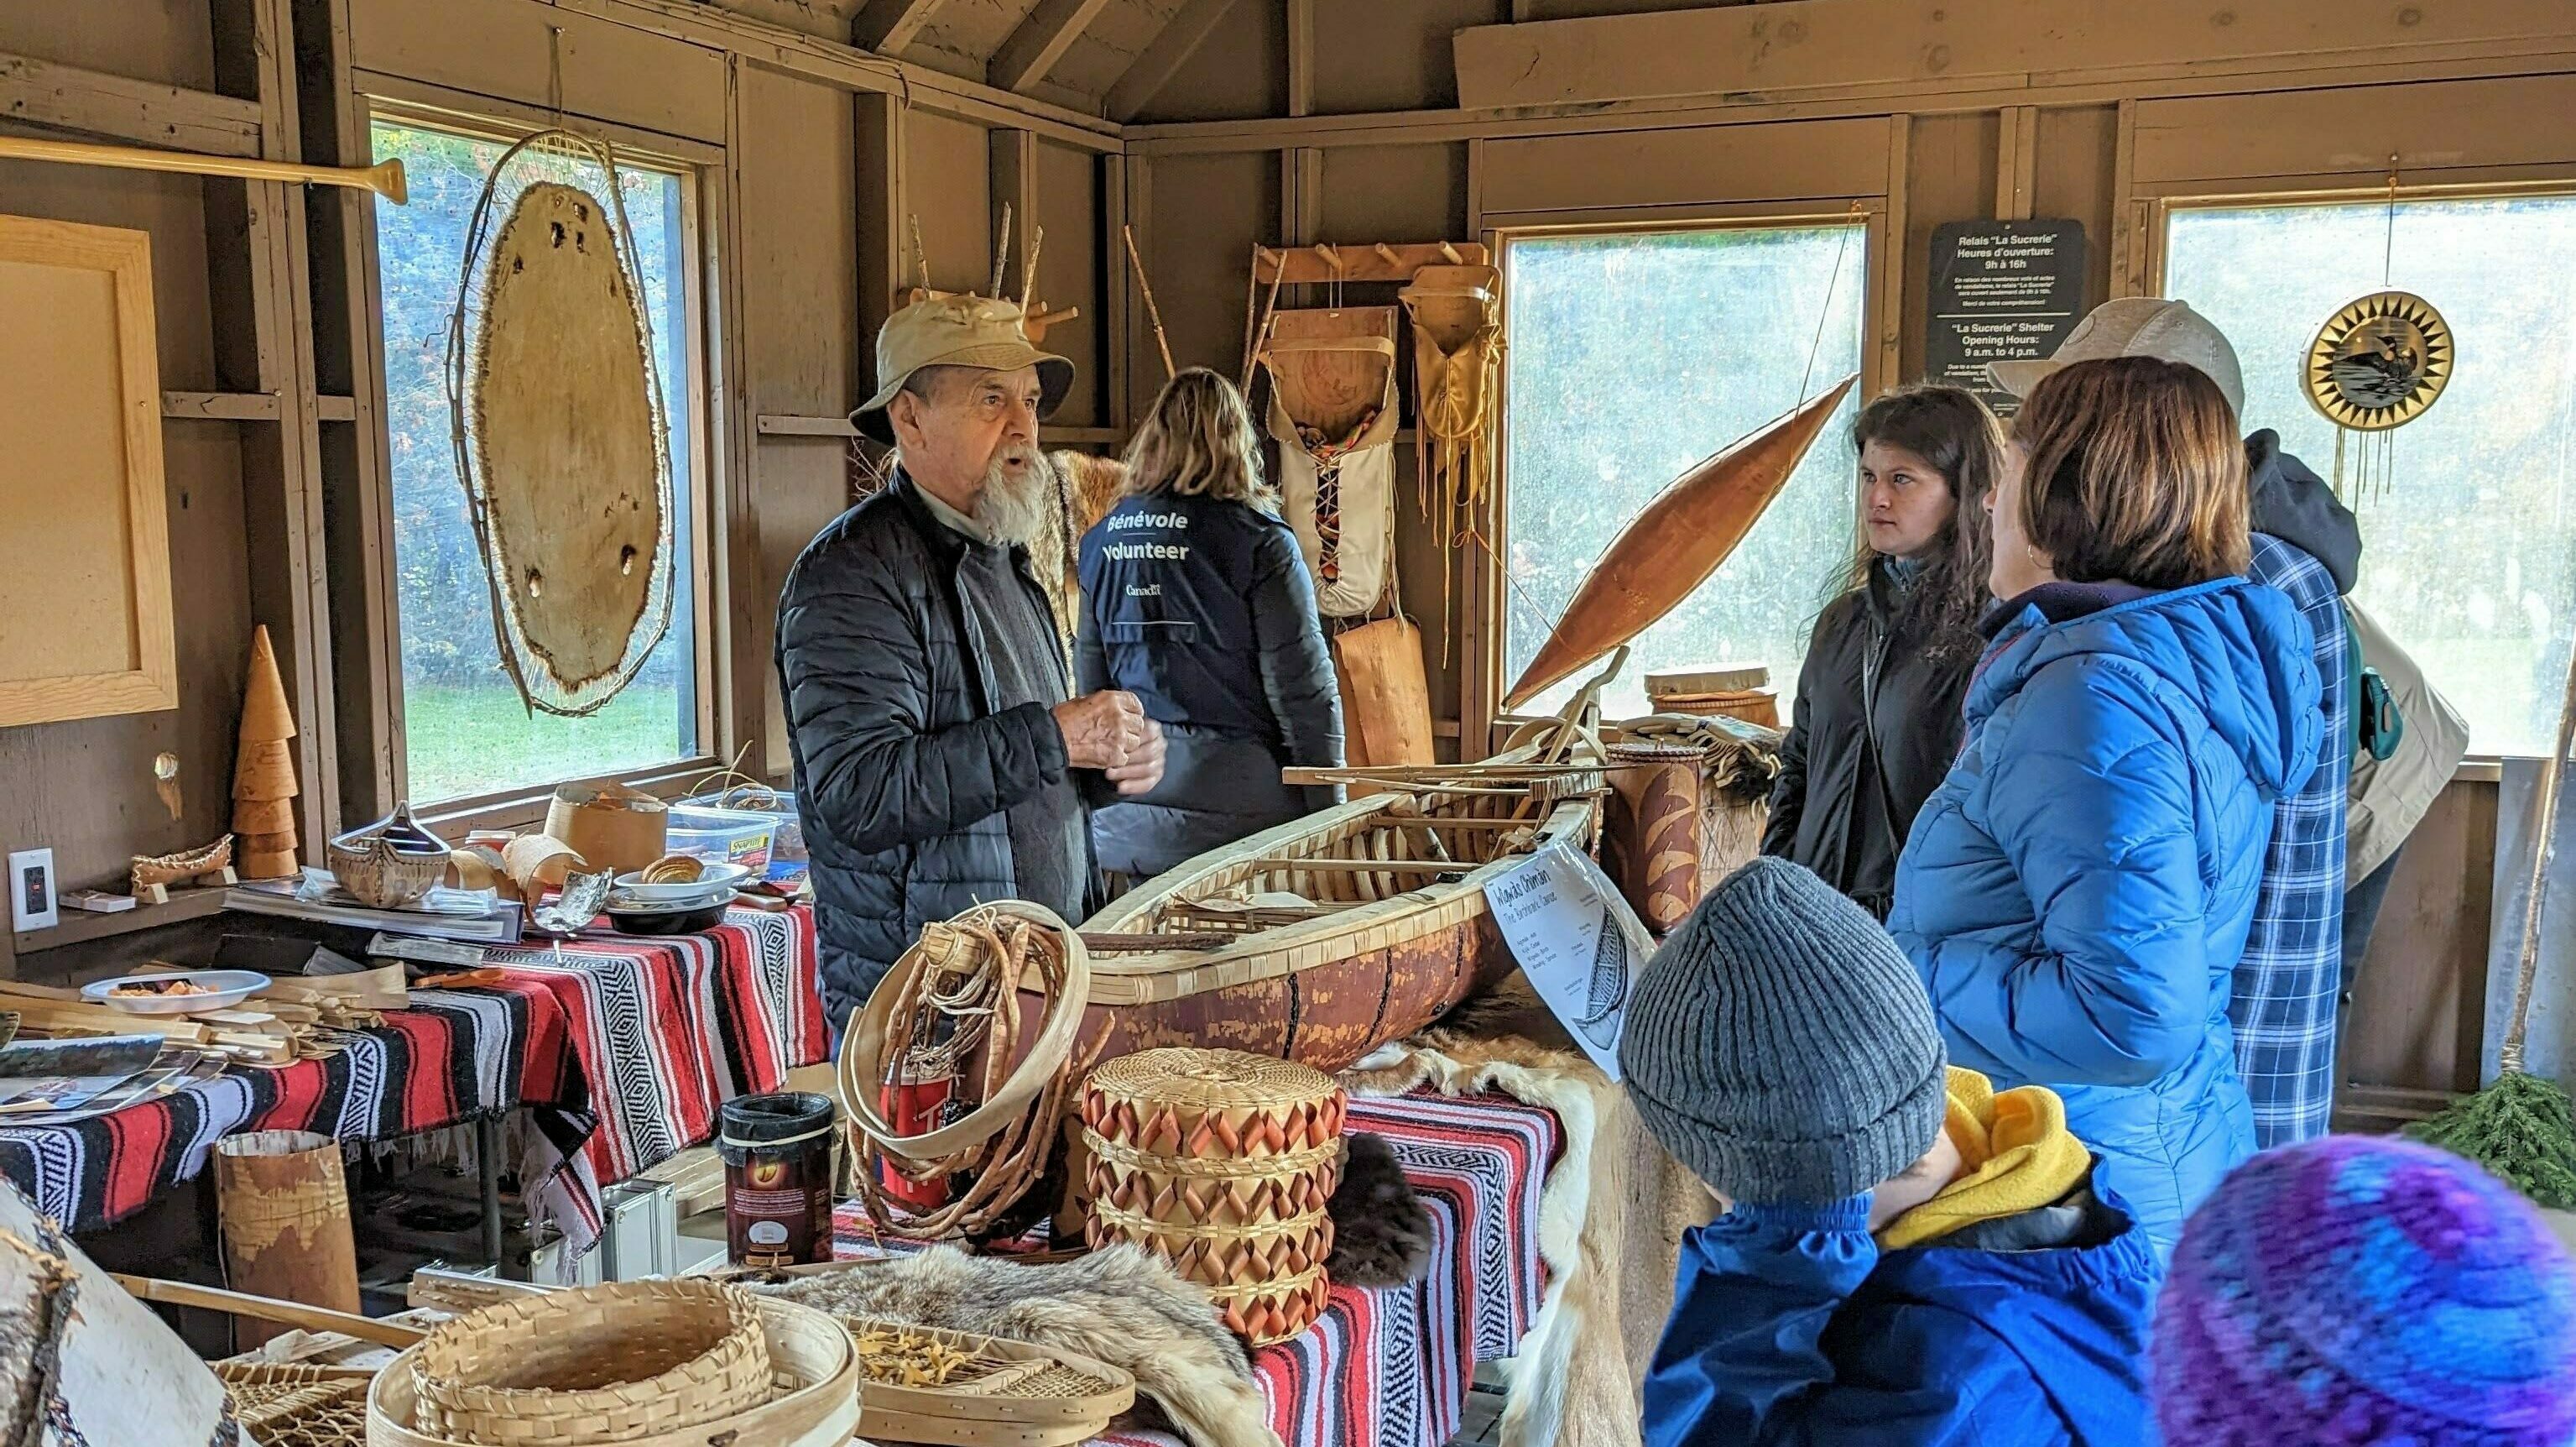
1221	1163
283	1200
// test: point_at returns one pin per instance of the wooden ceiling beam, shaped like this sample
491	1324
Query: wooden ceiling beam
1039	42
887	26
1163	58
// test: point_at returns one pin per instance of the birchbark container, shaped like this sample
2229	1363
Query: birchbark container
283	1200
1221	1163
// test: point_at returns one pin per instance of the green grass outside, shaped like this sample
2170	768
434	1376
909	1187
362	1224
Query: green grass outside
465	741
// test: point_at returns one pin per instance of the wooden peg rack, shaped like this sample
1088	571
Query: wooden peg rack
1354	261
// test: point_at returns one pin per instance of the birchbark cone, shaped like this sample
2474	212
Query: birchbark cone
283	1200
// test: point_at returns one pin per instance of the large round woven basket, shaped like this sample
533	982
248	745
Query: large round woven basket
603	1364
1221	1163
811	1398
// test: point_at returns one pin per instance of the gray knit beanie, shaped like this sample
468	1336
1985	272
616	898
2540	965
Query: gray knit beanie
1781	1046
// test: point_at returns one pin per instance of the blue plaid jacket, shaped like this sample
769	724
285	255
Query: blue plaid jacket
2283	1006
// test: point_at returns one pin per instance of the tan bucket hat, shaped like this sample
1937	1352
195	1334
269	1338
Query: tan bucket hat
956	331
2137	326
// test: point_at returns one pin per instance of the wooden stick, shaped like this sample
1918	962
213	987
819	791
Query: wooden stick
262	1308
1361	866
1029	265
1152	311
920	258
1002	251
1269	314
385	178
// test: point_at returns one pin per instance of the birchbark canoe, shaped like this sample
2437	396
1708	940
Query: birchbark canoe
1340	931
1669	549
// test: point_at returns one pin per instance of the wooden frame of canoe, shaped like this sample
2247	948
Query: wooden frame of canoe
1396	935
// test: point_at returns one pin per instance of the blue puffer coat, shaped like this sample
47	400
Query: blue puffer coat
2077	892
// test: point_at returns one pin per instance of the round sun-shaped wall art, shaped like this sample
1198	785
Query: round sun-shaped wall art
2379	362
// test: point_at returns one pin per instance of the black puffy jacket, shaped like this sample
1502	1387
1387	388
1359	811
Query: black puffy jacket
903	771
1874	732
1203	610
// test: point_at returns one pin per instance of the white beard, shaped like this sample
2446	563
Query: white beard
1013	510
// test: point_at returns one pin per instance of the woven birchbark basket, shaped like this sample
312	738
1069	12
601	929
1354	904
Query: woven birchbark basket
599	1365
1221	1163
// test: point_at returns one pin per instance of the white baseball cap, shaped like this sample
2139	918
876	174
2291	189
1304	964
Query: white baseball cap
2137	326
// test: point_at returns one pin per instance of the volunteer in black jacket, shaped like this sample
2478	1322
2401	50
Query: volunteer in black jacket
1877	719
1195	600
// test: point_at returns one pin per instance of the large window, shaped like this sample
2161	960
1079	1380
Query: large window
465	731
1634	356
2469	549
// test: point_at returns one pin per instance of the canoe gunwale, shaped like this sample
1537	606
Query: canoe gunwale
1286	950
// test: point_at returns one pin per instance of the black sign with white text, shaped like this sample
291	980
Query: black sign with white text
2002	291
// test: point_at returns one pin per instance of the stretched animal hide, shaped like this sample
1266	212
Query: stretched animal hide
1051	555
1121	1305
1087	487
1381	1229
1611	1215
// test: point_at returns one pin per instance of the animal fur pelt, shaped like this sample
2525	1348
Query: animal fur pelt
1611	1215
1381	1229
1051	552
1093	486
1121	1305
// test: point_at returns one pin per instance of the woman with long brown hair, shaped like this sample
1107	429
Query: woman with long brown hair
1195	599
1877	718
2077	891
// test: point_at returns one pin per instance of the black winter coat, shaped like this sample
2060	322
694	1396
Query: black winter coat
1875	730
903	770
1203	610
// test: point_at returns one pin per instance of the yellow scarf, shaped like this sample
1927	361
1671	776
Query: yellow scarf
2015	1154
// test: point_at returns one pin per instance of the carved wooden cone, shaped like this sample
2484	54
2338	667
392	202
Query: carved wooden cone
264	769
284	1204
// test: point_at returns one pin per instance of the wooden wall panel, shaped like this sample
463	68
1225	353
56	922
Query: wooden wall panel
505	48
2526	120
1389	55
1396	193
2419	1003
947	183
1784	161
171	42
1949	176
2078	154
1240	72
1207	211
800	276
1068	191
84	788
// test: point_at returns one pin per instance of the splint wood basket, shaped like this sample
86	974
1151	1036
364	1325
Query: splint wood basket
1221	1163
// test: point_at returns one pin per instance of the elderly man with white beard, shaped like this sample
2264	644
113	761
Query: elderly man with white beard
941	761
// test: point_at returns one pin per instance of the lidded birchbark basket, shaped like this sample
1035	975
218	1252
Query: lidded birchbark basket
1221	1163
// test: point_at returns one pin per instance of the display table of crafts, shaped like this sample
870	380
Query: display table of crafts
1391	1367
622	1047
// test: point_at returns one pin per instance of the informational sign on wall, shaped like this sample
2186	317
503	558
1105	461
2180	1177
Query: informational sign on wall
2002	291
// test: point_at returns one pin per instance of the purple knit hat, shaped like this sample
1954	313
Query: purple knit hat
2351	1290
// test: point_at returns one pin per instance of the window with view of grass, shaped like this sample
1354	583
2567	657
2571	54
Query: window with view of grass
1635	355
466	734
2469	544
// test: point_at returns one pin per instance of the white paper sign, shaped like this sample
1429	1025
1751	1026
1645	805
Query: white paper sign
1577	940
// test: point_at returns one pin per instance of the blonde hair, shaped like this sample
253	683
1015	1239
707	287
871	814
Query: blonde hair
1197	441
2134	472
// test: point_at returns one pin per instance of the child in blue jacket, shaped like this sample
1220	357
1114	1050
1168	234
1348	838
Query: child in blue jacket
1905	1257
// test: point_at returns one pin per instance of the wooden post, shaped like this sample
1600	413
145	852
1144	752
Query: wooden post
284	1207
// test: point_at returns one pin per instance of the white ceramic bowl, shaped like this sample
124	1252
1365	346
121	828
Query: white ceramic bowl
220	990
714	882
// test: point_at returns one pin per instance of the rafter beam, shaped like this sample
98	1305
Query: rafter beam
887	26
1039	42
1163	58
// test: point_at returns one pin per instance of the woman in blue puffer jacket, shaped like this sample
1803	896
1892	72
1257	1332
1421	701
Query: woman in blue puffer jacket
2077	891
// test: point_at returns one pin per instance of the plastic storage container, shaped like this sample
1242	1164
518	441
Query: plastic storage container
788	863
725	836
